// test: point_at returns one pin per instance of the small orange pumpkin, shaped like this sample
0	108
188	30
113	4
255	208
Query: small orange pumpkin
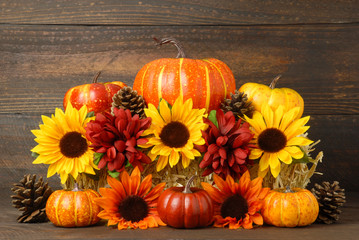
290	207
260	94
206	81
185	207
73	208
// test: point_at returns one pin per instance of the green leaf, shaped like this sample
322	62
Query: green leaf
113	174
90	114
212	117
97	157
304	159
34	154
128	164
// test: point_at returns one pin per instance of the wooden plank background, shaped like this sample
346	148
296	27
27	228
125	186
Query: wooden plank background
47	47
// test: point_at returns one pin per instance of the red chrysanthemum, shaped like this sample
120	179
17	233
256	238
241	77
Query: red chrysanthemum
227	146
116	137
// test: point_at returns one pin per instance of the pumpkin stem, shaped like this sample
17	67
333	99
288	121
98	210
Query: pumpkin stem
96	77
187	188
173	41
274	81
76	187
288	190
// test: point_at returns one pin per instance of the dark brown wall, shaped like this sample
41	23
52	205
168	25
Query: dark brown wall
47	47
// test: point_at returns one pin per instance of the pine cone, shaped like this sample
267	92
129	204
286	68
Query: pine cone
30	197
127	98
238	104
330	197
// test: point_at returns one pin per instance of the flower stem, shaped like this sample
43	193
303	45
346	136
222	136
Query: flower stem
187	188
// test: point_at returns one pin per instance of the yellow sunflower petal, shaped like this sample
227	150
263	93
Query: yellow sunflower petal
299	141
292	129
185	161
255	153
284	156
173	158
264	161
275	170
278	116
177	109
161	163
165	111
51	170
268	115
295	152
288	118
274	164
153	113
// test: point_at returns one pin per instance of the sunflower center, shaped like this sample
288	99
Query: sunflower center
174	134
272	140
133	208
73	145
235	206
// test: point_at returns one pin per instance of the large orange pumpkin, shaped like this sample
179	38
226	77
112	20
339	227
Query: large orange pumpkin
206	81
290	207
73	208
185	207
260	94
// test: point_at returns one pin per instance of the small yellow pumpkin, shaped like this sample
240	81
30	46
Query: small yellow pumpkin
290	207
260	94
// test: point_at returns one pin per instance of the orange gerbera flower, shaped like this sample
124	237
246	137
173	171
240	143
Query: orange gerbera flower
129	203
237	204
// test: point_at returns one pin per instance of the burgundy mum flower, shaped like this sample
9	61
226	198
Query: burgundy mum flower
117	137
227	147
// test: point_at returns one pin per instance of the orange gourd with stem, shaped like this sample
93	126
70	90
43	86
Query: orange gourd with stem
206	81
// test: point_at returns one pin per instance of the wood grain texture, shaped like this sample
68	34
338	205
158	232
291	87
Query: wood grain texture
176	12
39	63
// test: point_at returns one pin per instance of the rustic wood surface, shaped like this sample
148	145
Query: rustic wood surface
47	47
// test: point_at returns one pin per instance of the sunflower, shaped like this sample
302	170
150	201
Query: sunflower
276	136
173	132
129	203
62	143
237	204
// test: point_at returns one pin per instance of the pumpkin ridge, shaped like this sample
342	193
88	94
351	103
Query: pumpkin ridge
143	79
208	96
281	211
180	74
75	208
90	206
57	207
298	208
159	84
220	73
270	196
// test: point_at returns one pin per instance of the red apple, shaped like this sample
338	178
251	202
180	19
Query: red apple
96	96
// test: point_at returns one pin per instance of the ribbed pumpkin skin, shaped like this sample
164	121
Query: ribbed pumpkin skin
260	94
296	209
206	81
73	208
185	210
